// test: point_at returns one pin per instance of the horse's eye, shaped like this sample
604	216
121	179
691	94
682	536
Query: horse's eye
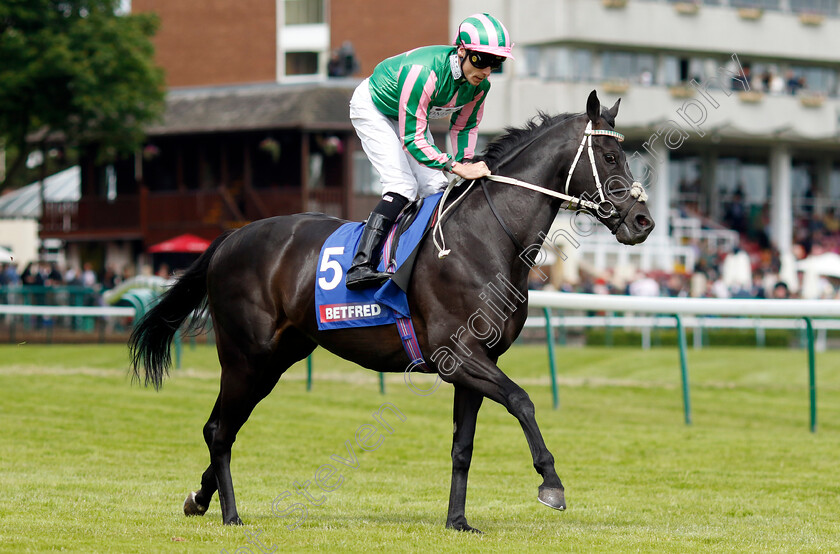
610	158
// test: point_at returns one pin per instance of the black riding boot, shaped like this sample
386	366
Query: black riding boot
363	274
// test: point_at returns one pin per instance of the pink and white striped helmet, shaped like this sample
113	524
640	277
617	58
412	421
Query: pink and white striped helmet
484	33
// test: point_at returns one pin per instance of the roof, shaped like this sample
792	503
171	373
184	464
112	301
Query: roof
268	106
25	202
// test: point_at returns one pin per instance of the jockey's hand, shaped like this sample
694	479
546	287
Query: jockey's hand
470	171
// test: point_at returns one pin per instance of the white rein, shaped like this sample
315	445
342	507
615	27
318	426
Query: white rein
636	189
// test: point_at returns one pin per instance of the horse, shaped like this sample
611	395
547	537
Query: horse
257	283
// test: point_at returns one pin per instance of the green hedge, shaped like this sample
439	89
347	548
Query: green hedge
777	338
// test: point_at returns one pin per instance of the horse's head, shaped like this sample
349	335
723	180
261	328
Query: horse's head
602	175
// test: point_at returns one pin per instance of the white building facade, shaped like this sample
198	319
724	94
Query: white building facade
724	101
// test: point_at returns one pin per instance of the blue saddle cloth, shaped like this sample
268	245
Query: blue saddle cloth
339	308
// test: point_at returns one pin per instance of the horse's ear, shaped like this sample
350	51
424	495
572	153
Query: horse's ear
593	107
614	110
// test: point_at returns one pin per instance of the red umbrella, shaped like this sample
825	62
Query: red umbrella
182	243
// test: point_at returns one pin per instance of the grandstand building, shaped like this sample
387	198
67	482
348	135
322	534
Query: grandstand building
729	108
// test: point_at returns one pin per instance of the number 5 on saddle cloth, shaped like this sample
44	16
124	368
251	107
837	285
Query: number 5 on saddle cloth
337	307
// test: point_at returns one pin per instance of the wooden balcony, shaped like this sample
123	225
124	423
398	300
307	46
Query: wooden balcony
92	218
156	216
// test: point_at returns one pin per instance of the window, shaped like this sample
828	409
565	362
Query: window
531	67
304	12
628	66
556	63
301	63
834	184
817	79
617	65
581	65
685	174
365	176
814	6
763	4
802	179
751	178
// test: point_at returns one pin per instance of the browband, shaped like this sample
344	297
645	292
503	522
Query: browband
617	136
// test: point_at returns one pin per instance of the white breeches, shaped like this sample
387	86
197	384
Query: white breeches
398	170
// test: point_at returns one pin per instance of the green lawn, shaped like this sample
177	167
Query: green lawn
90	462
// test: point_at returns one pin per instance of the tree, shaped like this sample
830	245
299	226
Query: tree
78	70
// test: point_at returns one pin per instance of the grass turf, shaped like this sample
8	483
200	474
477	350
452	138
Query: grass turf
91	463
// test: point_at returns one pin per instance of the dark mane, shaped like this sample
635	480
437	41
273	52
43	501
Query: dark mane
515	137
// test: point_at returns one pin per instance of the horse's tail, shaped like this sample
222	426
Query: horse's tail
151	339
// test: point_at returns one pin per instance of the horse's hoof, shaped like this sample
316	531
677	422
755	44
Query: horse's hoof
193	508
234	521
553	498
462	526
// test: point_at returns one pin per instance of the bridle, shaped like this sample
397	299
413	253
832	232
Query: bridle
604	208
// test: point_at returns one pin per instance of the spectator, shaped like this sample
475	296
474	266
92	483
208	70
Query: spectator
343	62
28	275
794	83
699	285
10	275
54	277
72	277
110	279
675	286
781	291
88	276
334	67
41	274
736	215
644	285
744	80
757	290
776	84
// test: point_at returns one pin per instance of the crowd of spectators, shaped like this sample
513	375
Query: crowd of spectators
49	284
770	81
759	275
753	269
50	274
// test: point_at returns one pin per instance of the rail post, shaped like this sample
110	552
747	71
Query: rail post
684	369
549	332
812	373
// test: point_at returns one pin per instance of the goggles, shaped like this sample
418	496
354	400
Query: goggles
482	60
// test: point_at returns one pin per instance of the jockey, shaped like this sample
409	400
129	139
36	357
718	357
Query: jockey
391	110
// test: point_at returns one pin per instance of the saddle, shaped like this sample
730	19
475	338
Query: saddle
336	306
402	272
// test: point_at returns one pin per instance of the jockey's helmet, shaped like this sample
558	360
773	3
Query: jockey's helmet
482	32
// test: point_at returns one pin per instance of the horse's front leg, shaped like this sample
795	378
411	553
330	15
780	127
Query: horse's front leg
551	491
464	414
485	376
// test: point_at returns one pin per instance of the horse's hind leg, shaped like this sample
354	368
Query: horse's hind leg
197	502
465	412
246	379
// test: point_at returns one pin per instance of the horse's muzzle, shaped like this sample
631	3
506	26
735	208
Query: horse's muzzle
636	225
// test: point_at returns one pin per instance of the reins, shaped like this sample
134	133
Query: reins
604	208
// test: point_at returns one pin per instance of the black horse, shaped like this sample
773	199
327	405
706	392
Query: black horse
259	285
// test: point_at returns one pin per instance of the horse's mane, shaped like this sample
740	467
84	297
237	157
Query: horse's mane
516	137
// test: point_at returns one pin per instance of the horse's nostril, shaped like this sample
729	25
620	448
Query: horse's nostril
642	221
